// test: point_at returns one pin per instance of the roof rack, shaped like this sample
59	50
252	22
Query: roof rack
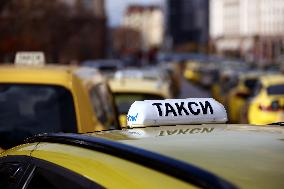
169	166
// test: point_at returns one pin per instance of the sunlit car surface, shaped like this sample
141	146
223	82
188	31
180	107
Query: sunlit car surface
267	105
127	89
35	99
154	155
238	95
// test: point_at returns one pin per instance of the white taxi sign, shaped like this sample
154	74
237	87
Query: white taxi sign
176	112
30	58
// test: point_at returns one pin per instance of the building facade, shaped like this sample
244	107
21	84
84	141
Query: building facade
187	23
65	30
148	20
253	29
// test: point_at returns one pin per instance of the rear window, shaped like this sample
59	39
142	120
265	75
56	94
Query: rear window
26	110
124	100
276	89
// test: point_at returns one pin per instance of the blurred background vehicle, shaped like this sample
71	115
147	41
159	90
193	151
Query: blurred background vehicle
266	105
239	94
53	98
133	85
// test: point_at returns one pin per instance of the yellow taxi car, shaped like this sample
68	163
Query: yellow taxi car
173	143
225	82
191	71
128	86
239	94
52	98
266	106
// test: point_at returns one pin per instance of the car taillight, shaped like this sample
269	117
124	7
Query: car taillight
273	107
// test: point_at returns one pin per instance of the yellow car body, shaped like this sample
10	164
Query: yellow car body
127	90
189	146
238	95
29	107
191	71
220	88
266	106
216	92
181	156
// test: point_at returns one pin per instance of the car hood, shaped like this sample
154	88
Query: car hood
248	156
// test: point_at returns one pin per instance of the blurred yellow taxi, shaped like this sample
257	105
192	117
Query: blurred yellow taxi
52	98
238	95
191	71
172	143
267	105
221	87
132	85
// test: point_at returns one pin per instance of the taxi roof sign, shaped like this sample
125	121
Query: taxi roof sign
30	58
176	112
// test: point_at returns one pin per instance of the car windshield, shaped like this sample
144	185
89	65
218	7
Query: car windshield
26	110
124	100
276	89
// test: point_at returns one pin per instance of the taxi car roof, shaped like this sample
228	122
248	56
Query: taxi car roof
129	85
167	165
48	74
248	156
272	79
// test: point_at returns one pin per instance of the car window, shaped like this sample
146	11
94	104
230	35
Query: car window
124	100
50	176
26	110
98	106
108	106
10	174
276	89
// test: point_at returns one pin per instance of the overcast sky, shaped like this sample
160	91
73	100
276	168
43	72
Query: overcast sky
115	8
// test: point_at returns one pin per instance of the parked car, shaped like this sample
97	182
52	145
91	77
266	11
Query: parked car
267	104
131	85
53	98
239	94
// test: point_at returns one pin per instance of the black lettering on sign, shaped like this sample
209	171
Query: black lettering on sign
186	131
172	132
205	107
158	105
207	130
181	131
181	108
195	130
161	133
191	110
170	109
